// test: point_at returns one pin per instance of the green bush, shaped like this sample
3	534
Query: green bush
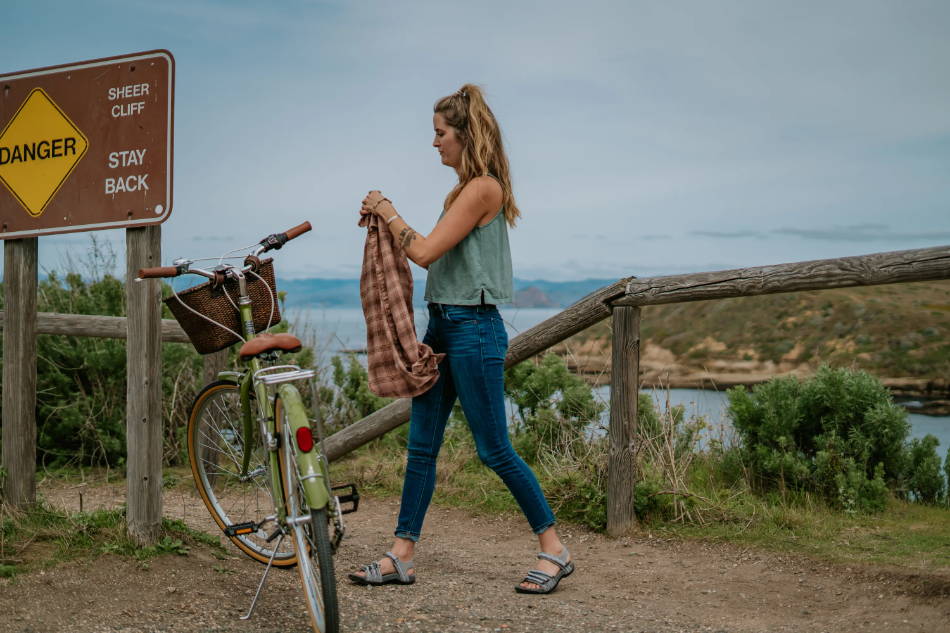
946	471
575	484
923	476
648	504
554	406
80	395
837	434
654	427
353	400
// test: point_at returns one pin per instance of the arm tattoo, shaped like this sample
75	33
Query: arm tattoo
406	236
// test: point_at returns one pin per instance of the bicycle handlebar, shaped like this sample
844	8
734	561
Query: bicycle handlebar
159	271
276	240
298	230
271	242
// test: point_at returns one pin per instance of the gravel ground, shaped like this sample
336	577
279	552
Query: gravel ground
467	567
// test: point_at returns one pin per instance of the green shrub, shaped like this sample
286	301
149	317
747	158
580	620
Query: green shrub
350	400
837	434
670	425
946	471
554	406
575	484
80	395
923	477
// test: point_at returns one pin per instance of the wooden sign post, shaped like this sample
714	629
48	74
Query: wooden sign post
84	147
19	371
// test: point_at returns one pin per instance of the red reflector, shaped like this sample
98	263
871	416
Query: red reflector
304	439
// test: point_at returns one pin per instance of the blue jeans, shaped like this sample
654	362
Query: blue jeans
475	343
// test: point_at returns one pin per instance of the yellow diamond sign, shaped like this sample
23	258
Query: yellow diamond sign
39	148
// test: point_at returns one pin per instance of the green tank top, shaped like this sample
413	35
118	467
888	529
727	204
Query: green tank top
476	270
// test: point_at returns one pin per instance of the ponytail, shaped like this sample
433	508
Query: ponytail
483	152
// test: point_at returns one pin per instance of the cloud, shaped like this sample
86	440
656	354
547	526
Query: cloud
635	116
212	238
728	234
862	233
866	232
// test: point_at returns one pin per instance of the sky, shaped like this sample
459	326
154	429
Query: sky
645	138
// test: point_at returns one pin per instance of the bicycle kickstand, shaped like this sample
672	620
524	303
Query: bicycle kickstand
260	586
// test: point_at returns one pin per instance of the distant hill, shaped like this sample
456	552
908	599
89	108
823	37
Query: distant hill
345	293
541	293
900	330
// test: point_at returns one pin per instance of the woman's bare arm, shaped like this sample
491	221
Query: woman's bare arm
478	202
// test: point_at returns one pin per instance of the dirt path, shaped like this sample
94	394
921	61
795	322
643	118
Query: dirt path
467	568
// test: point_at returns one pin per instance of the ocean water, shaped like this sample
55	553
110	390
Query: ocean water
336	330
712	405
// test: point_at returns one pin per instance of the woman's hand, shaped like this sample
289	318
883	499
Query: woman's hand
374	202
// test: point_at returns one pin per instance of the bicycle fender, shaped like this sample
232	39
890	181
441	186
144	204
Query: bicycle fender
312	475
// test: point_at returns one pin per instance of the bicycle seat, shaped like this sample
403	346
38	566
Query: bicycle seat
269	343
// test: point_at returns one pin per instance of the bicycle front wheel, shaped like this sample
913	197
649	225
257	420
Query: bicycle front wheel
216	448
310	528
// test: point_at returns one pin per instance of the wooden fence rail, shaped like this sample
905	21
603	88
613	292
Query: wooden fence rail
97	326
924	264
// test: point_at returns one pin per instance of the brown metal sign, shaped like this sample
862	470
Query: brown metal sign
87	146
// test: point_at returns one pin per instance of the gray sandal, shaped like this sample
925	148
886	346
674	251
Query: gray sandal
374	575
546	582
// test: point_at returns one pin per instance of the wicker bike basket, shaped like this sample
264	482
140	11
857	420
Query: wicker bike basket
219	303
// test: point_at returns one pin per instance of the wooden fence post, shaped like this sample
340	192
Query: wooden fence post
144	387
19	371
624	394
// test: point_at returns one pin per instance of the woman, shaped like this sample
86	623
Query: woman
469	263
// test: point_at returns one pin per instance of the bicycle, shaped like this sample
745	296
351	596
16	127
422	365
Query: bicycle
260	482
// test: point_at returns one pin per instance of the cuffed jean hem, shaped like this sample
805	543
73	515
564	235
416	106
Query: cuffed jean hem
542	528
409	537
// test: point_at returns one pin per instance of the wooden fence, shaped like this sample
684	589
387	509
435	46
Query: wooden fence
620	300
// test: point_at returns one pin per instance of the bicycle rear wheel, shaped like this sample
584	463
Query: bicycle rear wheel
310	529
216	447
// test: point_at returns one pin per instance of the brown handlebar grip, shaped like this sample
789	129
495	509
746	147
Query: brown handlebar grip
298	230
158	271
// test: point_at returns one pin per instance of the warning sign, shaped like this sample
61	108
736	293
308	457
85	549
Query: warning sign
86	146
38	150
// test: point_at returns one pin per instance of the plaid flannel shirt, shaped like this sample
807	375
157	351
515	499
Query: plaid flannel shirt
400	366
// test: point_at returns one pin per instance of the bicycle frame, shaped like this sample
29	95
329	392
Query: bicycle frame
313	471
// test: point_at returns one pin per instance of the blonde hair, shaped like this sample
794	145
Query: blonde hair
483	153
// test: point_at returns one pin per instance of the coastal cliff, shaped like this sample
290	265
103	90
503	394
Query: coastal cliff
898	333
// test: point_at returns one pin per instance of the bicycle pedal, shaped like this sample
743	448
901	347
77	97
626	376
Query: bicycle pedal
352	497
239	529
